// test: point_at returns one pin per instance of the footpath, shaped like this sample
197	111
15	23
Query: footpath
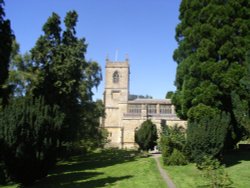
163	173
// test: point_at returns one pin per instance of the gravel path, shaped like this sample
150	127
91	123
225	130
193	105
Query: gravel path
163	173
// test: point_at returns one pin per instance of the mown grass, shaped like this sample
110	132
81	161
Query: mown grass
237	166
108	168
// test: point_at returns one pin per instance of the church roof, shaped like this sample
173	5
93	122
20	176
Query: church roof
150	101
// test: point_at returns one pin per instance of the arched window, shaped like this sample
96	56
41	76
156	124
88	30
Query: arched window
116	77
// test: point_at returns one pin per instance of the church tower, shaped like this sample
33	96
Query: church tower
115	99
116	83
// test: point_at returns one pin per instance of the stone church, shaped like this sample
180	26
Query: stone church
124	116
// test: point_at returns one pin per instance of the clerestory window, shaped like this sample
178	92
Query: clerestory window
151	108
116	77
134	108
165	109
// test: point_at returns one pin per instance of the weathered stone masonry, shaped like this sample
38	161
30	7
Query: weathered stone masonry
124	116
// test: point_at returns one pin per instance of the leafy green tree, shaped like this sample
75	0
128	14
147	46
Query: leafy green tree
214	40
169	95
29	135
63	76
6	37
22	74
146	135
92	135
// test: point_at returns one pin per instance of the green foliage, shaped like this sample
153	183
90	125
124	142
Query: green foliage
206	133
169	95
241	102
172	143
176	158
63	76
6	38
91	133
214	43
146	135
22	74
29	135
214	173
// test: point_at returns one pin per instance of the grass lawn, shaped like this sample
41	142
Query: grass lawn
237	167
109	168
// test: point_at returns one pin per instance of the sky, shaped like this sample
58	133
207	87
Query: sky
143	29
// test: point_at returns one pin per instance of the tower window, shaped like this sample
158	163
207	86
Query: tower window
116	77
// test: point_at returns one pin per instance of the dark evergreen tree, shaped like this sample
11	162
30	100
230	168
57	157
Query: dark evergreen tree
64	77
206	133
241	102
6	37
146	135
29	134
214	39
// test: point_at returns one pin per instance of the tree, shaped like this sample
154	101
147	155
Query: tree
214	40
29	134
169	95
146	135
22	74
63	76
6	37
241	102
92	135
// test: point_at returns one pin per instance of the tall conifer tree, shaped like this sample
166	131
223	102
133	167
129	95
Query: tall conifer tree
214	39
64	77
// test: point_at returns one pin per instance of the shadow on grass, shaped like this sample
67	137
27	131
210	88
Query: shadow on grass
64	179
100	182
74	172
235	157
76	181
96	160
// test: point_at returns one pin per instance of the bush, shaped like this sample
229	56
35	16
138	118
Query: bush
172	144
146	135
214	173
29	131
176	158
206	135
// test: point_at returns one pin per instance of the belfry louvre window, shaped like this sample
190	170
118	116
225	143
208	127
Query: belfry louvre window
134	108
165	109
151	109
116	77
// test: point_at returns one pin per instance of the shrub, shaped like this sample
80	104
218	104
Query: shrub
176	158
206	135
172	144
29	132
214	173
146	135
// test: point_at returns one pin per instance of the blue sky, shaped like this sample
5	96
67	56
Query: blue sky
143	29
